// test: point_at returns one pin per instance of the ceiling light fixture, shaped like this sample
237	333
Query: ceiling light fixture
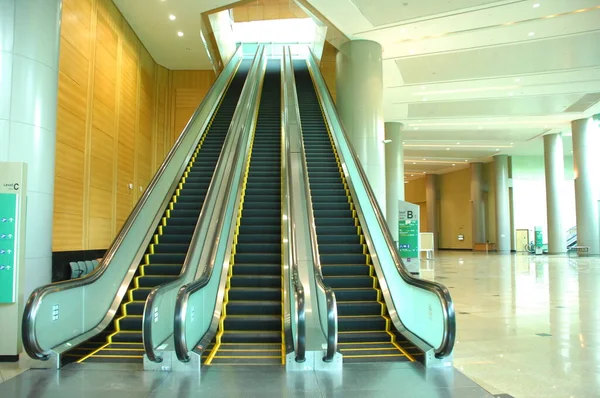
447	149
414	162
424	98
387	141
518	79
412	175
172	17
531	34
180	34
497	149
458	143
480	127
536	5
416	128
424	158
453	164
466	160
511	94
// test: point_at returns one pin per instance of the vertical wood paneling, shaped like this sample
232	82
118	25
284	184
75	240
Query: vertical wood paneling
328	67
189	88
108	124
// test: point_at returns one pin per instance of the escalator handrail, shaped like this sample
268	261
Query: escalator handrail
179	327
30	342
330	331
438	289
221	172
290	262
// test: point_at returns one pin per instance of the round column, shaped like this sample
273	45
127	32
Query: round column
502	203
586	134
394	174
477	217
555	175
431	200
359	84
29	52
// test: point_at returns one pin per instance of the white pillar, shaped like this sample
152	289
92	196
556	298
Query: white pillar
555	175
431	198
502	204
359	84
477	213
29	49
586	137
394	175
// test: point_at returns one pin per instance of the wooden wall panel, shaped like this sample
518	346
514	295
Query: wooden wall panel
117	117
328	67
262	10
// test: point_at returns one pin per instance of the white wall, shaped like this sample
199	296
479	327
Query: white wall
529	188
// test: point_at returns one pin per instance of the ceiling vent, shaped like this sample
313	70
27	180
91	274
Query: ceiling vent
584	103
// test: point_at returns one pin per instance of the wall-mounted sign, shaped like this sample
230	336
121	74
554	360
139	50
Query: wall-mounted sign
8	250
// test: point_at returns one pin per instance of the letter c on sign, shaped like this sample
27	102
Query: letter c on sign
16	186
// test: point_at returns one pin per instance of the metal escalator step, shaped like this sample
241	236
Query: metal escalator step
191	199
252	322
259	239
331	206
248	221
183	221
178	230
135	307
162	269
175	239
332	230
141	294
332	214
335	222
259	258
266	361
127	337
256	269
131	323
171	248
265	336
348	308
349	281
155	280
258	248
254	353
364	337
260	229
376	358
255	281
187	206
343	259
168	258
341	248
361	323
325	240
256	307
364	294
255	293
345	269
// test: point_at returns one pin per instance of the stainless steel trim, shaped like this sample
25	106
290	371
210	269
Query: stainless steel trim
330	330
30	342
438	289
222	170
247	124
288	225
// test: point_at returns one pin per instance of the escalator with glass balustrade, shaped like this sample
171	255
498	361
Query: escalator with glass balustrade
251	325
365	331
162	263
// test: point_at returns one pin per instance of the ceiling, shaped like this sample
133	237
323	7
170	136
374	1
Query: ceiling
467	78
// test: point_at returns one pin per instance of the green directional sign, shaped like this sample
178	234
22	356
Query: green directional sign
8	227
408	230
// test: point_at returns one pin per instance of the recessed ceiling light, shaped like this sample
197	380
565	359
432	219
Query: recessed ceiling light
511	94
180	34
414	162
424	158
480	127
512	143
536	5
416	128
424	98
466	160
423	87
517	80
412	175
172	17
458	143
531	33
411	51
447	149
497	149
424	172
453	164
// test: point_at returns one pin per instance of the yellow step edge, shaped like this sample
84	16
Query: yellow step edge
374	356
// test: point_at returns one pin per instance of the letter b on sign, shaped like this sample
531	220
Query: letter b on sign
409	214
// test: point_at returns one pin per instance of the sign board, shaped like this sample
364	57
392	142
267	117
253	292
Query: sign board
539	240
13	205
408	234
8	250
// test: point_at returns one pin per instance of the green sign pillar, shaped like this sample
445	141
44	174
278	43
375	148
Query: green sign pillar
539	240
408	234
8	252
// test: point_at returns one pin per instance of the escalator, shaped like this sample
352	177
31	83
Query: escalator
365	331
162	263
251	325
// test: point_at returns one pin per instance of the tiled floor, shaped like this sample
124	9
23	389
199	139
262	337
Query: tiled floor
527	326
